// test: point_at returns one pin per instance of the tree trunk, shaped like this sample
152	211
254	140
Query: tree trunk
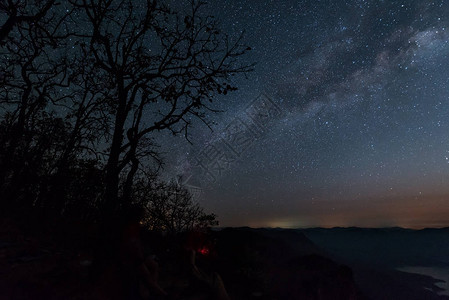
111	199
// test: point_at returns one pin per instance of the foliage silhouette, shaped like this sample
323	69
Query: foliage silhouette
80	105
170	208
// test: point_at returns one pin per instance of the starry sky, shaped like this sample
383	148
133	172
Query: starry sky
362	133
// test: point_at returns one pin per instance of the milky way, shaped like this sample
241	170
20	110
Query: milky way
363	138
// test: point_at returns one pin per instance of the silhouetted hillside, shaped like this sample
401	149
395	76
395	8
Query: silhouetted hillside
375	254
280	264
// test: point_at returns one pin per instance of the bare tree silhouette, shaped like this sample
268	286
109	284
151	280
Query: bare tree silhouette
162	67
90	99
31	82
20	12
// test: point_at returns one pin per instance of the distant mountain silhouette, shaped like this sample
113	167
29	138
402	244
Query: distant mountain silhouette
384	247
374	254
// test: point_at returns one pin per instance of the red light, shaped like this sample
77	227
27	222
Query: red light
204	251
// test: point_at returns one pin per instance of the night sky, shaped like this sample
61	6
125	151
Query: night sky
361	134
